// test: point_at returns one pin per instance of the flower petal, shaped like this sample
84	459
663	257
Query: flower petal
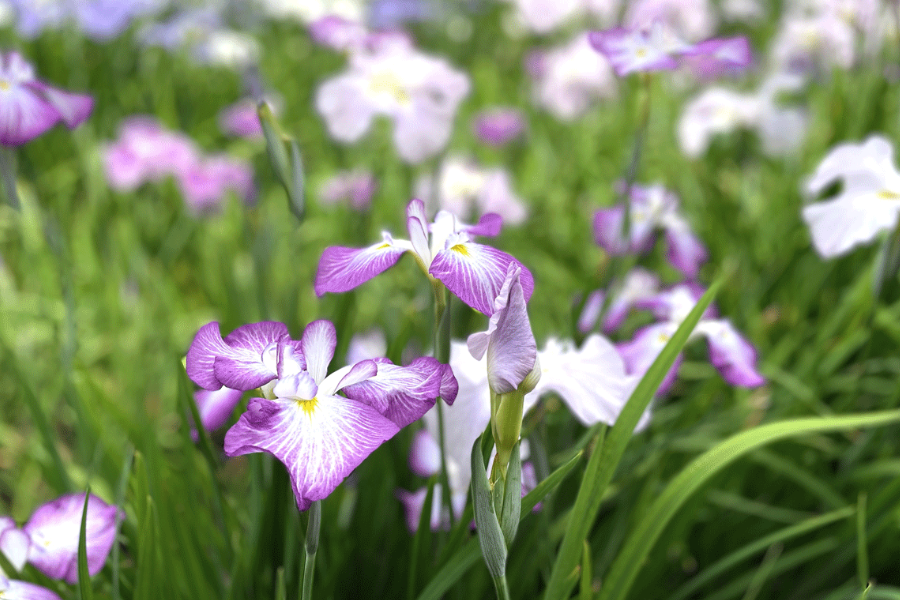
22	590
14	543
512	350
839	225
320	442
449	385
489	225
402	394
342	269
238	358
731	354
424	454
72	108
54	531
640	352
24	115
417	225
475	273
685	251
608	223
318	342
216	406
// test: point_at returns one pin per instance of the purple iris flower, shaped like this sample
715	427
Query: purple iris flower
11	589
51	535
638	285
497	126
472	271
317	434
729	352
98	19
355	188
29	107
652	207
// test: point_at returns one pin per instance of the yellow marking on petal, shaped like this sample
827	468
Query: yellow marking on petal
461	248
664	337
383	246
385	81
4	85
308	406
888	195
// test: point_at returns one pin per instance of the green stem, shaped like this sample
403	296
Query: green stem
8	173
312	545
442	355
501	587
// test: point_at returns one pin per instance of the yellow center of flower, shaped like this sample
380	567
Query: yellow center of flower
888	195
308	406
387	82
4	85
641	52
383	246
664	337
461	248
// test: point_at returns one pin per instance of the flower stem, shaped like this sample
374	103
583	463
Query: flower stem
442	354
8	173
312	546
501	587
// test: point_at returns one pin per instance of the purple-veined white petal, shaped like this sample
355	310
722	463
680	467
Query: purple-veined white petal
475	272
298	387
342	269
11	589
54	531
356	374
629	51
685	251
24	115
640	352
591	380
424	454
320	441
347	113
449	385
243	355
318	342
216	406
639	284
402	394
417	225
731	354
839	225
14	543
290	357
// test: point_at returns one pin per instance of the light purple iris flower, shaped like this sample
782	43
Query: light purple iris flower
14	543
355	188
652	207
499	125
215	406
241	119
98	19
319	436
730	353
418	92
11	589
638	285
53	531
472	271
658	48
29	107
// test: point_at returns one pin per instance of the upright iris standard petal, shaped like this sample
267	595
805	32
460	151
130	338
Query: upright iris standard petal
244	360
318	343
216	406
402	394
54	531
14	543
320	440
475	272
342	269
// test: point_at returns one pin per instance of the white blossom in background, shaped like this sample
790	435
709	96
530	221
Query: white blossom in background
690	20
307	11
868	203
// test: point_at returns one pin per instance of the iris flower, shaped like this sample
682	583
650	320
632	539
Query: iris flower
317	434
29	107
472	271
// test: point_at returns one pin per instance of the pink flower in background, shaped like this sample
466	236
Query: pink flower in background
638	285
466	189
205	182
692	20
355	188
241	119
338	33
543	16
499	125
652	207
568	79
29	107
418	92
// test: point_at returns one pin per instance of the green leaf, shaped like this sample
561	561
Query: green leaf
585	592
85	591
862	547
603	462
625	568
490	536
512	497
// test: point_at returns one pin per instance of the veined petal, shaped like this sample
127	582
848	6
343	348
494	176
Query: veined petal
512	351
342	269
362	371
318	342
489	225
424	454
239	358
475	273
216	406
608	223
320	441
685	251
839	225
54	531
299	386
24	115
417	225
731	354
640	352
22	590
402	394
449	385
73	108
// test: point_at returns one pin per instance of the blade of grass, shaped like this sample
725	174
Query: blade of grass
862	548
85	591
625	568
602	464
763	572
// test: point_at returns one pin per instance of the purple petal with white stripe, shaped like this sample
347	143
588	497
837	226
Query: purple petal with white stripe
240	361
11	589
318	343
402	394
685	251
216	406
731	354
475	273
342	269
54	530
24	115
72	108
320	441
